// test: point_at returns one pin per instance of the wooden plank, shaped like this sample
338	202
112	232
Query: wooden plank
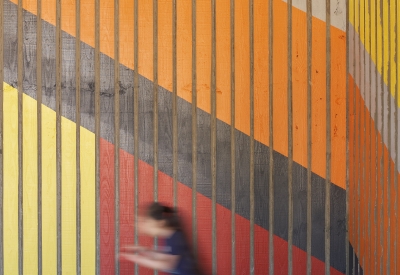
251	42
78	135
232	136
155	98
328	140
39	130
194	130
271	135
309	132
290	138
213	129
116	135
58	134
68	143
20	72
10	190
388	106
97	130
136	119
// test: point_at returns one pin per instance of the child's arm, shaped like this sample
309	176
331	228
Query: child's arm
154	260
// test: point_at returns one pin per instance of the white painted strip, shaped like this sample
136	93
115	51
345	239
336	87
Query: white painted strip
338	11
375	93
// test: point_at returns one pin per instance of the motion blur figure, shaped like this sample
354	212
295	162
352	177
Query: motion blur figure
174	255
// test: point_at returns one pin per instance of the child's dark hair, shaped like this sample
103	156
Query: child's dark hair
160	212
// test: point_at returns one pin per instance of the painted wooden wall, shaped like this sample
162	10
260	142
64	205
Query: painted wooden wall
373	141
234	111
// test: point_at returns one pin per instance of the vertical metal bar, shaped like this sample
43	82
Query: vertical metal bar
20	139
136	120
194	129
78	133
1	137
251	42
309	132
347	243
174	106
97	129
328	141
58	135
213	99
271	133
116	130
290	140
155	106
233	146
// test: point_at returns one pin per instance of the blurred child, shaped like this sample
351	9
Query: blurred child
175	256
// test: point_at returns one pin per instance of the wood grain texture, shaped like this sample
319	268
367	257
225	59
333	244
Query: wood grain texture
39	131
20	75
10	190
30	185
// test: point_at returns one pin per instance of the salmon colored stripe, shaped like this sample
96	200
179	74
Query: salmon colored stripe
126	216
184	44
107	228
146	196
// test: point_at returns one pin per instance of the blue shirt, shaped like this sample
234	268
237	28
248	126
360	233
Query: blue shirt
176	245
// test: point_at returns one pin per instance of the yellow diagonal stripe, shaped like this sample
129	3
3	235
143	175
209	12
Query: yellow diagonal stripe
10	170
30	207
382	17
49	198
